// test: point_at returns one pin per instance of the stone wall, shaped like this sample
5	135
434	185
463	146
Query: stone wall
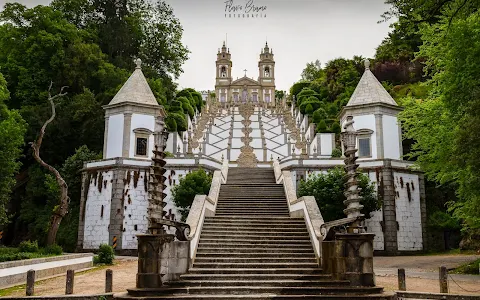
97	209
408	211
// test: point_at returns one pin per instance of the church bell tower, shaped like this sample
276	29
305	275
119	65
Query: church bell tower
224	74
266	74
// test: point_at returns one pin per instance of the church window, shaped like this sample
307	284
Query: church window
255	98
223	71
141	146
267	98
141	141
364	142
235	97
267	72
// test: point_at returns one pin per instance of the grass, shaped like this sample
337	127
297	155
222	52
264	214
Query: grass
468	268
12	254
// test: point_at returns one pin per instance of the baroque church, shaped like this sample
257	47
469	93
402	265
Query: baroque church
245	89
244	127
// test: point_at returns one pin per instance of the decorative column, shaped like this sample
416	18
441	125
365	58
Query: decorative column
349	138
150	245
353	250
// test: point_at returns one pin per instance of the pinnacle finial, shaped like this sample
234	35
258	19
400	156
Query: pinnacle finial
367	63
138	63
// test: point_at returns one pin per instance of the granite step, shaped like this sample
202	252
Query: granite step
289	276
264	282
259	251
263	296
242	290
246	265
203	244
257	271
235	254
251	260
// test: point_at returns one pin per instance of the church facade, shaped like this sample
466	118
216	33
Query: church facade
245	89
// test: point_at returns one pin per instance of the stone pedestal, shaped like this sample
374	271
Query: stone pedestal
149	259
353	258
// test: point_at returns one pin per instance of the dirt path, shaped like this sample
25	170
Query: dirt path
419	276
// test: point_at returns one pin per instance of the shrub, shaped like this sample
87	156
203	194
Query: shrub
309	109
28	246
328	191
53	249
322	127
336	152
171	124
105	255
195	183
319	115
336	128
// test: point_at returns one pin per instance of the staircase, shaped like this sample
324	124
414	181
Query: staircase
252	249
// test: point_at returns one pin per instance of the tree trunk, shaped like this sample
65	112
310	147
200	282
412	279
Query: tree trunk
62	209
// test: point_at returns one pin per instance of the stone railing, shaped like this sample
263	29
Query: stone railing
305	207
204	206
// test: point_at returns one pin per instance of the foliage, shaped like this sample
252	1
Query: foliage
472	267
328	190
53	249
28	246
12	131
336	152
11	254
447	148
105	255
312	71
194	183
298	87
322	127
279	94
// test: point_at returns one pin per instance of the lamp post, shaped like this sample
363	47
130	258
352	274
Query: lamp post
353	206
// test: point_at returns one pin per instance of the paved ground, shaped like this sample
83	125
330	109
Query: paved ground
421	276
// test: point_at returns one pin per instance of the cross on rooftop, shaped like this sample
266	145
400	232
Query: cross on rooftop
245	72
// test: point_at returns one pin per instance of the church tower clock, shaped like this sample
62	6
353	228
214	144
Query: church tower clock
224	74
266	78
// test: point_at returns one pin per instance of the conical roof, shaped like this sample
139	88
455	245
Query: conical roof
369	90
135	89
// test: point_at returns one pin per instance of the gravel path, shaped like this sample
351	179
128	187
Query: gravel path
421	276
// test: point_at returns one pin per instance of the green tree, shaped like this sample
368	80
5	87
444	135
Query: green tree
194	183
312	71
319	115
12	131
328	190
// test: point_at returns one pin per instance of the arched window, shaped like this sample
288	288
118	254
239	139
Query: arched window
223	71
267	72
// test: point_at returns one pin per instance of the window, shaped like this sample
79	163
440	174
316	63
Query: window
223	71
141	141
255	97
364	142
267	72
141	147
364	147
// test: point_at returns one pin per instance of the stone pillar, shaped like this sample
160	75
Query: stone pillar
150	260
379	135
390	227
81	215
117	208
423	209
105	138
353	258
127	128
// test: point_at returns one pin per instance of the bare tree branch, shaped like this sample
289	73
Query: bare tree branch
61	210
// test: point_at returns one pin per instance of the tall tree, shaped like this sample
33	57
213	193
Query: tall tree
12	130
62	208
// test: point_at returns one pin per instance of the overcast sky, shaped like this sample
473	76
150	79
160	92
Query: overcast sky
298	31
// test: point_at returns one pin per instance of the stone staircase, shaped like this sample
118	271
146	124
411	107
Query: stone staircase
252	249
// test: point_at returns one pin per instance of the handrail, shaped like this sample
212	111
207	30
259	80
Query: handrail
204	206
305	207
